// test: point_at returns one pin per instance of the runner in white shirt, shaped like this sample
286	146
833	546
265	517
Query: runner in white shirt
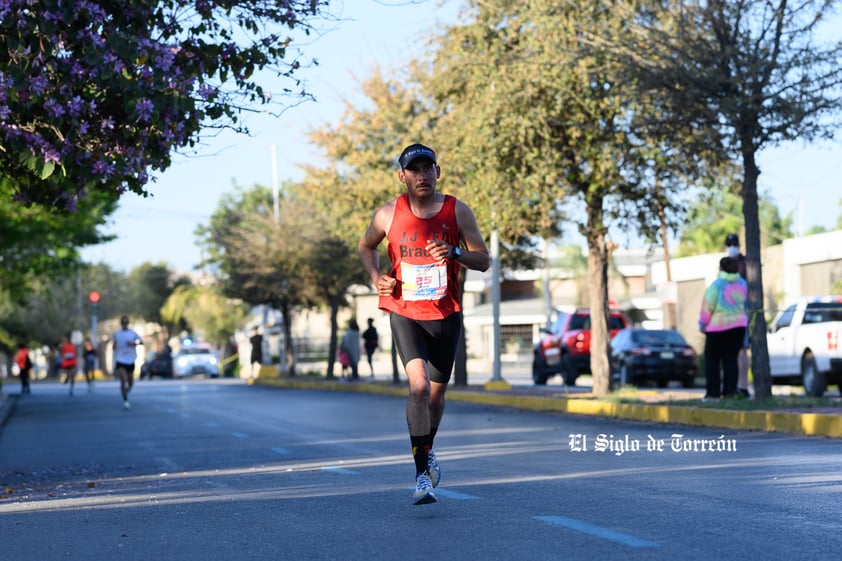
125	353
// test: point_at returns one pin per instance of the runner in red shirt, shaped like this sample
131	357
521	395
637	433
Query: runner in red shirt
25	366
430	235
68	361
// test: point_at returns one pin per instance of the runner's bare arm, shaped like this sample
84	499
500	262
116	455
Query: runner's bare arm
374	234
476	255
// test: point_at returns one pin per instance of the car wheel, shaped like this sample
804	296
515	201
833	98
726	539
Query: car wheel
568	373
625	376
538	375
813	380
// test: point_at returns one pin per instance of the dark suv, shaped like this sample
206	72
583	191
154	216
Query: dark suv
565	347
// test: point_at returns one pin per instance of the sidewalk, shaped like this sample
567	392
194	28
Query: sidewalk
656	408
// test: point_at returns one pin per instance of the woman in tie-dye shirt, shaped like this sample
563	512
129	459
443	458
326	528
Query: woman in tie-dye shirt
723	320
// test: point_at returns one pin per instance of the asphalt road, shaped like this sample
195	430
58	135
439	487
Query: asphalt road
216	470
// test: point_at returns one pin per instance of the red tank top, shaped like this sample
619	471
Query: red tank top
68	355
426	289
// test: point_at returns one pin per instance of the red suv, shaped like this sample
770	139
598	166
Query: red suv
565	347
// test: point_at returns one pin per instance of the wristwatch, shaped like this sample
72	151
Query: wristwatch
456	253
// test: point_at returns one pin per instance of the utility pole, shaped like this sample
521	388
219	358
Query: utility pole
497	381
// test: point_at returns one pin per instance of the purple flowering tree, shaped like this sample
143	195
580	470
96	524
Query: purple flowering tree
98	94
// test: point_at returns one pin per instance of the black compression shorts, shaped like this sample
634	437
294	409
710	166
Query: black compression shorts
129	368
434	341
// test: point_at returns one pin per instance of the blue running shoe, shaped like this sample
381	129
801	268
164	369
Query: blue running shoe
423	490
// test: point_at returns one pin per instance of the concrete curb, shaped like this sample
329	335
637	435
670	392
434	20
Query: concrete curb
7	405
808	424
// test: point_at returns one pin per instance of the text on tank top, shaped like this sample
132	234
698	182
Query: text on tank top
427	289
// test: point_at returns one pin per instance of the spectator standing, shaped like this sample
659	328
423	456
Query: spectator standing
89	358
732	248
723	321
256	357
351	346
371	341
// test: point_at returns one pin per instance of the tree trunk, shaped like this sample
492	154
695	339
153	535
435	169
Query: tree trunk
754	274
598	272
598	255
662	217
334	328
289	351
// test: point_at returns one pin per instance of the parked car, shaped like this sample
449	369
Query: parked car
565	347
640	355
196	359
803	344
157	364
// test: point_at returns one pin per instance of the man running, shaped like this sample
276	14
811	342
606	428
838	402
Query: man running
430	235
125	354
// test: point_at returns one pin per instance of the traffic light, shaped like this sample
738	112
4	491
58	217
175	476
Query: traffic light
94	296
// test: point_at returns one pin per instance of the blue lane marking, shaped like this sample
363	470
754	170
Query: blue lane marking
343	471
281	451
597	531
453	494
240	434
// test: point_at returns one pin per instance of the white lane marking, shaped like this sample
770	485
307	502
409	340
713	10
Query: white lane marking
597	531
281	451
343	471
453	494
239	435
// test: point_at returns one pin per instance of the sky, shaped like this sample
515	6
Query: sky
801	180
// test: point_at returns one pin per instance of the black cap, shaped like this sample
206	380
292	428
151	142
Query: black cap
732	240
415	151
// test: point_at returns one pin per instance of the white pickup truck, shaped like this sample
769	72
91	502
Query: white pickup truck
803	342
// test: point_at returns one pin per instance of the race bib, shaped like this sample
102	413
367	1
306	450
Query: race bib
424	282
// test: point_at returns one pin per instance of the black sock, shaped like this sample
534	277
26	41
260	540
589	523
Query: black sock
433	431
420	452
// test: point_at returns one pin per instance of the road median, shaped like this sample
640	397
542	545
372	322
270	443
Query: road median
827	422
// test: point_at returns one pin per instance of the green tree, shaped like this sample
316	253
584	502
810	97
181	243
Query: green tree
209	314
43	316
362	151
718	212
759	74
333	268
260	257
56	304
36	242
361	174
149	286
94	95
543	115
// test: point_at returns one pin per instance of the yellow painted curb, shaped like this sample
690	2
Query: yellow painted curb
808	424
497	385
268	371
